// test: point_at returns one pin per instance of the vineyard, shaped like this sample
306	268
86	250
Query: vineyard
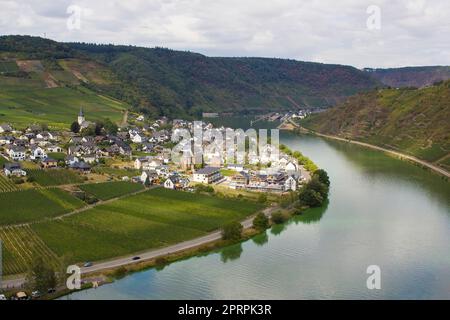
20	246
6	185
34	205
54	177
109	190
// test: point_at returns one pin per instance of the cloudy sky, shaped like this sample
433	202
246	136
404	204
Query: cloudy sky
374	33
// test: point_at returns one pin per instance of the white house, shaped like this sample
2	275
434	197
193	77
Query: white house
14	169
207	175
54	149
71	160
291	166
290	184
16	153
37	153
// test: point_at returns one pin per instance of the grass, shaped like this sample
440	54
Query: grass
116	171
153	219
34	205
57	155
55	177
109	190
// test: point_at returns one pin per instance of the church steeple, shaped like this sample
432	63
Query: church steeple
81	118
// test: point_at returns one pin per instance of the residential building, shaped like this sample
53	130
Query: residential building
207	175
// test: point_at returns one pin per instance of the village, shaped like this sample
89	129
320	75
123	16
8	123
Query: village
140	152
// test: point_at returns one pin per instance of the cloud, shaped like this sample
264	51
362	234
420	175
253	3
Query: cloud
413	32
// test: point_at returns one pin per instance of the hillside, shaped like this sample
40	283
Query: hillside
414	121
410	76
183	84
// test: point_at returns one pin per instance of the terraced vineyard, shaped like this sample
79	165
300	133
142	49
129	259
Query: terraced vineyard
20	245
6	185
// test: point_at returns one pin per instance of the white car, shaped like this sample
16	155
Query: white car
2	297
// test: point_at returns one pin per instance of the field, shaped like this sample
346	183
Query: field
33	205
20	245
109	190
152	219
6	185
55	177
25	101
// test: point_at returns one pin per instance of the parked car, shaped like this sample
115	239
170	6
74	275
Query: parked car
136	258
35	294
88	264
2	297
51	290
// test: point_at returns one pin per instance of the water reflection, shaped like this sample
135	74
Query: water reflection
312	215
231	253
261	239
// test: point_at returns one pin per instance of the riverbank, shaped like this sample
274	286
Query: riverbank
396	154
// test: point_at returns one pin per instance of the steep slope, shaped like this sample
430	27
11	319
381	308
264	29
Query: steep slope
410	76
414	121
174	83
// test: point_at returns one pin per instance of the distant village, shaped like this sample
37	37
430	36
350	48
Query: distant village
142	149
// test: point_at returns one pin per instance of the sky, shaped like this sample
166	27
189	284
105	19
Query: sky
374	33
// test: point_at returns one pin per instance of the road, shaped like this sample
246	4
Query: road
151	254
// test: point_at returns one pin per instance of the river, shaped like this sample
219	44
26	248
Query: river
382	211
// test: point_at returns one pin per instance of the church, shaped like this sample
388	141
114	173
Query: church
82	120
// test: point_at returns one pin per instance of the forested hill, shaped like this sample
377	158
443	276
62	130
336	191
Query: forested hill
414	121
411	76
175	83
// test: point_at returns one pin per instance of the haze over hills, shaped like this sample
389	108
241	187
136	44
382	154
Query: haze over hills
410	76
174	83
414	121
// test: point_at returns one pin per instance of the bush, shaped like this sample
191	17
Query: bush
261	222
203	188
278	217
232	231
262	198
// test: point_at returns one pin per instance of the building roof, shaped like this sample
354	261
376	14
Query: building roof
207	170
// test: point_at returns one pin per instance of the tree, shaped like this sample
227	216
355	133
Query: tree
232	231
261	222
278	217
75	127
311	198
318	186
322	175
41	276
110	127
98	128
